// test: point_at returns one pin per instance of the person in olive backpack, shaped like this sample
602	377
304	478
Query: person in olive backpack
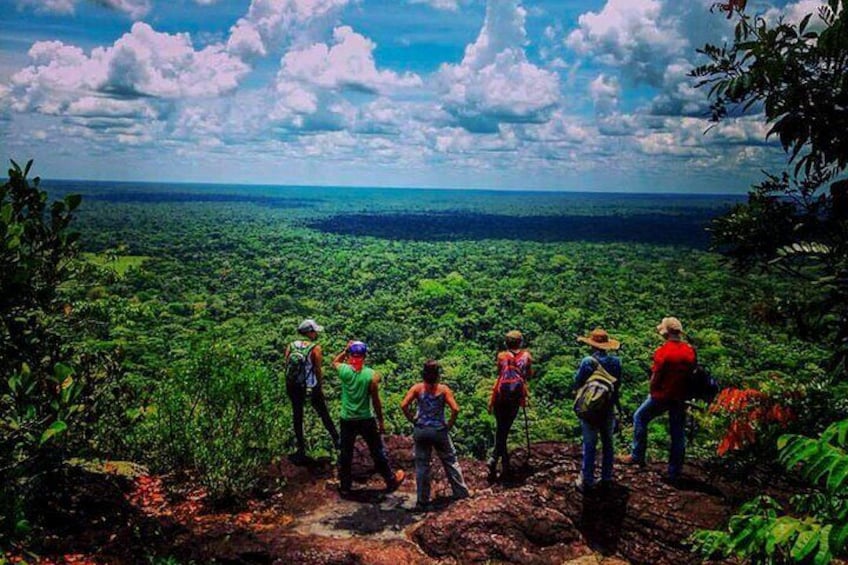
304	379
597	380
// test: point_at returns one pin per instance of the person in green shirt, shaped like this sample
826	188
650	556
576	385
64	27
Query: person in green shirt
362	415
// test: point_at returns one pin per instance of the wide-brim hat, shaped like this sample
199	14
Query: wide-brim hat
514	335
600	339
670	324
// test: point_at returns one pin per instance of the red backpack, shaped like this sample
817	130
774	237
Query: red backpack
511	386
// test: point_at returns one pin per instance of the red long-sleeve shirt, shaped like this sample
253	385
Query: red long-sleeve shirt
673	363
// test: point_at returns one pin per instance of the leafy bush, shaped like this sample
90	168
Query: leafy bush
219	414
792	223
816	527
48	388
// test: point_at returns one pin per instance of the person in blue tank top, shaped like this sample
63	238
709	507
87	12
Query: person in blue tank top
432	431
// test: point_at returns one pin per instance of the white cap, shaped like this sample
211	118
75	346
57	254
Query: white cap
309	325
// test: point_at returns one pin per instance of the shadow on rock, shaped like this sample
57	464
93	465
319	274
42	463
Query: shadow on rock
374	518
602	517
693	484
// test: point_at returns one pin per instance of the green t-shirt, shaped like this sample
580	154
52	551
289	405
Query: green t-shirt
356	392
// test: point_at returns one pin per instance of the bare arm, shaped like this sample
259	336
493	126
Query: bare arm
377	403
406	404
494	394
453	406
340	358
317	361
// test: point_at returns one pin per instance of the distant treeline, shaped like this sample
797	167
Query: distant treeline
687	229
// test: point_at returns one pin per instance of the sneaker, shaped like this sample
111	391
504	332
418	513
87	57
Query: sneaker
492	464
630	460
580	485
397	480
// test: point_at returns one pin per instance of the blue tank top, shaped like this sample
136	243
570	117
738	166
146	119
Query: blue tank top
431	409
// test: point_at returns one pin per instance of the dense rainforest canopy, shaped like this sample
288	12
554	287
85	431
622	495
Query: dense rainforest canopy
156	334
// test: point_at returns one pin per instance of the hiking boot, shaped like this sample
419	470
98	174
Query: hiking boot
630	460
396	481
673	482
298	458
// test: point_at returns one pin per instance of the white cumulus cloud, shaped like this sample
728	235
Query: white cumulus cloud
449	5
634	35
268	23
495	83
794	12
135	9
142	63
347	64
605	92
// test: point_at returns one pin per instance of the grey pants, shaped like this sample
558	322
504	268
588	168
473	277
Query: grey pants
425	440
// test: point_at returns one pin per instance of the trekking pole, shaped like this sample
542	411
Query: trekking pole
527	435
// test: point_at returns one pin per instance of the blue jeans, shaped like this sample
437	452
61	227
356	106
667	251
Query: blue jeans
590	443
649	410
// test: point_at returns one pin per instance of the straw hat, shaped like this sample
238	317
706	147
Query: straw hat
670	325
514	335
600	339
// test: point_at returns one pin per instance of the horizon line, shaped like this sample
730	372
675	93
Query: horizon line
440	188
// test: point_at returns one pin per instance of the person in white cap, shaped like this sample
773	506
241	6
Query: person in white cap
304	379
673	363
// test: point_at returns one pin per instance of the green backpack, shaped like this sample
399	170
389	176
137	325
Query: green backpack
596	398
297	366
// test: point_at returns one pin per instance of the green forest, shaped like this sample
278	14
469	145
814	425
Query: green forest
147	323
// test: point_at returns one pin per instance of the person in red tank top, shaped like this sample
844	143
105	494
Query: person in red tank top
508	396
673	363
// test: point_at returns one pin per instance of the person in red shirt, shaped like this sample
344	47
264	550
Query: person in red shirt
673	363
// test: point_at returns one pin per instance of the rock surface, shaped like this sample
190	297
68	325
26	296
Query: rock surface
538	517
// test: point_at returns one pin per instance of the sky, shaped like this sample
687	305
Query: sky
547	94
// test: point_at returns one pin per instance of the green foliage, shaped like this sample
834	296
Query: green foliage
798	76
793	223
48	389
816	527
217	413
